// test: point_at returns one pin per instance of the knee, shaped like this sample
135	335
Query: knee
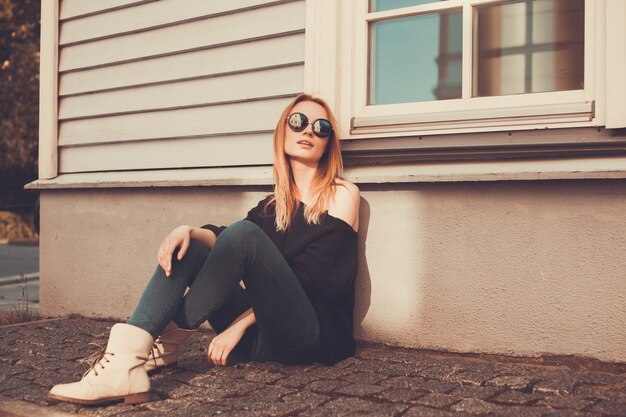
195	249
239	232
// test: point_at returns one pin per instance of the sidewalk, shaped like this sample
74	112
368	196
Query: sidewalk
379	381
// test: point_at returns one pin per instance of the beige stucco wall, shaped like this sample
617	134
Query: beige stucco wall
522	268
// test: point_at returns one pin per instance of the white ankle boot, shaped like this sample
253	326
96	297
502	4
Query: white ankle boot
164	354
118	374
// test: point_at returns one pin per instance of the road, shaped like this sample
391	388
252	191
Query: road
16	260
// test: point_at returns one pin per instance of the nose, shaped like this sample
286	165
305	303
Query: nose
308	130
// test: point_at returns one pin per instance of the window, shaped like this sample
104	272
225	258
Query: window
456	66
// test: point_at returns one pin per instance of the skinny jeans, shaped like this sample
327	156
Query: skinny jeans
286	329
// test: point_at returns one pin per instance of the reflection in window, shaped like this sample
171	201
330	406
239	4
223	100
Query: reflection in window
380	5
529	46
416	58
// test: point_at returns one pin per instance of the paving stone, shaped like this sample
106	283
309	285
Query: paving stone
510	381
520	411
420	411
364	377
328	372
110	410
297	381
360	390
404	382
166	405
392	355
303	400
287	405
63	407
378	381
325	385
517	397
179	391
397	395
346	363
564	401
476	378
240	413
191	409
600	378
440	369
572	413
263	376
562	382
354	407
470	391
12	384
438	400
382	368
609	407
419	383
605	393
475	406
31	393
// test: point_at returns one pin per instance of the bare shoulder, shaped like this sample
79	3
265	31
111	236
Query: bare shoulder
346	203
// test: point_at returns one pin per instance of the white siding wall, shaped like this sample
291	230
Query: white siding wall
169	84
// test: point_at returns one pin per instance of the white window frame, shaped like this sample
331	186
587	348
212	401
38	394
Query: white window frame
337	63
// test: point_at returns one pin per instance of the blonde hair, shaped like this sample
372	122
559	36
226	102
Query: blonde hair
285	190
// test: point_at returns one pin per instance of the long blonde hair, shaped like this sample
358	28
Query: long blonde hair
285	190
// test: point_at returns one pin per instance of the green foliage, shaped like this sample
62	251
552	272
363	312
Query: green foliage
19	89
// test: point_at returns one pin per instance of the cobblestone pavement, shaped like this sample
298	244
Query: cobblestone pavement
378	381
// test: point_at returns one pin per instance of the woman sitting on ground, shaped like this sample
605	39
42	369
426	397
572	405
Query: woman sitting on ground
296	252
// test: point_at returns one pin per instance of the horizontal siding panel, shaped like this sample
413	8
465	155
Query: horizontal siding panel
146	16
251	149
258	54
205	33
242	86
74	8
242	117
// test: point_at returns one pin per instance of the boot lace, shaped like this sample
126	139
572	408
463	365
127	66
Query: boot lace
155	350
96	359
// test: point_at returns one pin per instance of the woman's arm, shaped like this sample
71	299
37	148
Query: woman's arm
179	238
205	236
222	344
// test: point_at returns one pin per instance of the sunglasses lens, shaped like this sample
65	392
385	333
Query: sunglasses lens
322	128
298	122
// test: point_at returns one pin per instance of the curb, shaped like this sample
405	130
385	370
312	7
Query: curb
27	323
17	279
20	242
16	408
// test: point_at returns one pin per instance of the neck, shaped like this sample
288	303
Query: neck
303	174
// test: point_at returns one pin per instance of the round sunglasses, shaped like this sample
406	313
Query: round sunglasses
298	122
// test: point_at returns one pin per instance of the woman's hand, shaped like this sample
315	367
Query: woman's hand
179	237
222	344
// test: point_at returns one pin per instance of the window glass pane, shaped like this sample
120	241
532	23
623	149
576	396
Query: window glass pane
380	5
529	46
415	58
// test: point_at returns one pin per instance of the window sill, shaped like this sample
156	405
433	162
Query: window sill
466	171
501	170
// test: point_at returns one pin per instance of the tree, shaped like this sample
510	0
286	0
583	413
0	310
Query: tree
19	101
19	89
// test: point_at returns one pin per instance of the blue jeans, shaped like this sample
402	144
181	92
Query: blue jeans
287	328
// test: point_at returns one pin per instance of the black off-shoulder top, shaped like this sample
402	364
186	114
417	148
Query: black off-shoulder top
324	258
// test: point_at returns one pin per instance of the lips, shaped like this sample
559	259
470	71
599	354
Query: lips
305	143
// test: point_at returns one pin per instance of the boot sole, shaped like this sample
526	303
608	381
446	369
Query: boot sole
137	398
